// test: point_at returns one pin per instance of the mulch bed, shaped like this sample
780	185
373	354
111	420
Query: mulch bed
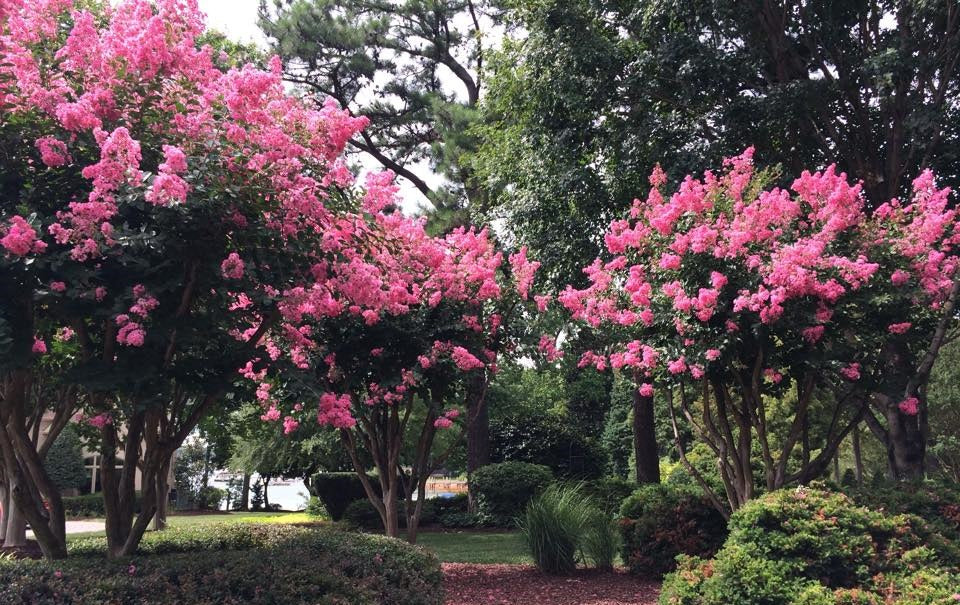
473	584
30	551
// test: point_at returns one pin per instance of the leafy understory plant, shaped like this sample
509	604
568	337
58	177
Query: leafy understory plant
562	524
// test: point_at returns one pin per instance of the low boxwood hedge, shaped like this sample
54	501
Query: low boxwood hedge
233	564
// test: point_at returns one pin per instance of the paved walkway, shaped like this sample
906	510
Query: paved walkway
80	527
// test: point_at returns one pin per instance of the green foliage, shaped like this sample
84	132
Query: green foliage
188	471
209	498
660	522
250	564
64	461
382	60
315	508
337	490
816	548
601	540
553	441
89	506
938	504
617	436
608	493
503	490
554	525
361	514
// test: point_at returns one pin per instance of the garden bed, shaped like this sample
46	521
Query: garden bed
470	584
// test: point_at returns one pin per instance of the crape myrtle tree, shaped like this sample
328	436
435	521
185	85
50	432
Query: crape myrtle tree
732	297
155	210
389	381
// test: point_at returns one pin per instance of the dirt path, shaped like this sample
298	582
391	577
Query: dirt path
471	584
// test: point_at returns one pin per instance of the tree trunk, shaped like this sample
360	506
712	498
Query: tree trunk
16	525
163	497
906	449
857	455
478	435
391	516
266	496
245	493
645	439
4	508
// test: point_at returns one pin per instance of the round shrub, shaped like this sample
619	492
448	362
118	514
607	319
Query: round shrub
337	490
64	461
233	564
503	490
812	547
361	514
315	508
659	522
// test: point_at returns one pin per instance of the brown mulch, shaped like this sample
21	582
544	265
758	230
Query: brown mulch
473	584
30	551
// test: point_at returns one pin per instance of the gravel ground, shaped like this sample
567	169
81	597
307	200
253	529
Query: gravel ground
472	584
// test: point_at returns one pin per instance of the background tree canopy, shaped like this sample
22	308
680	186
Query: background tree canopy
581	107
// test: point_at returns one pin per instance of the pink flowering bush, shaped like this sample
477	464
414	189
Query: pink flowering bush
727	292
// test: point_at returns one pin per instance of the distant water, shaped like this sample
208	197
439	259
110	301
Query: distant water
290	496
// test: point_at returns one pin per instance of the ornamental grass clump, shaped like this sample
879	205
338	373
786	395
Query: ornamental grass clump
562	526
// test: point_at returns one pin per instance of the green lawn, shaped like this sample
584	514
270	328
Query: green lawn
450	547
475	547
215	519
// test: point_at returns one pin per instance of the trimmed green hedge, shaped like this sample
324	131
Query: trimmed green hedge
659	522
813	547
88	506
256	564
503	490
337	490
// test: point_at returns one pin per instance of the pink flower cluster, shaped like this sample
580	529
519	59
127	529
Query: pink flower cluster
793	262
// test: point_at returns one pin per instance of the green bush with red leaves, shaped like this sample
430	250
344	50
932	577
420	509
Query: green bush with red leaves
813	547
659	522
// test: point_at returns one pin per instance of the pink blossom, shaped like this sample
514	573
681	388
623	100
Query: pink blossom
813	334
851	371
39	346
677	366
909	406
100	420
335	411
524	271
899	328
772	375
442	423
646	389
58	286
232	266
465	360
53	152
290	425
899	277
20	238
712	354
271	415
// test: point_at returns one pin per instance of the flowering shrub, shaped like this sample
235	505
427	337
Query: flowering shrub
815	547
726	293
